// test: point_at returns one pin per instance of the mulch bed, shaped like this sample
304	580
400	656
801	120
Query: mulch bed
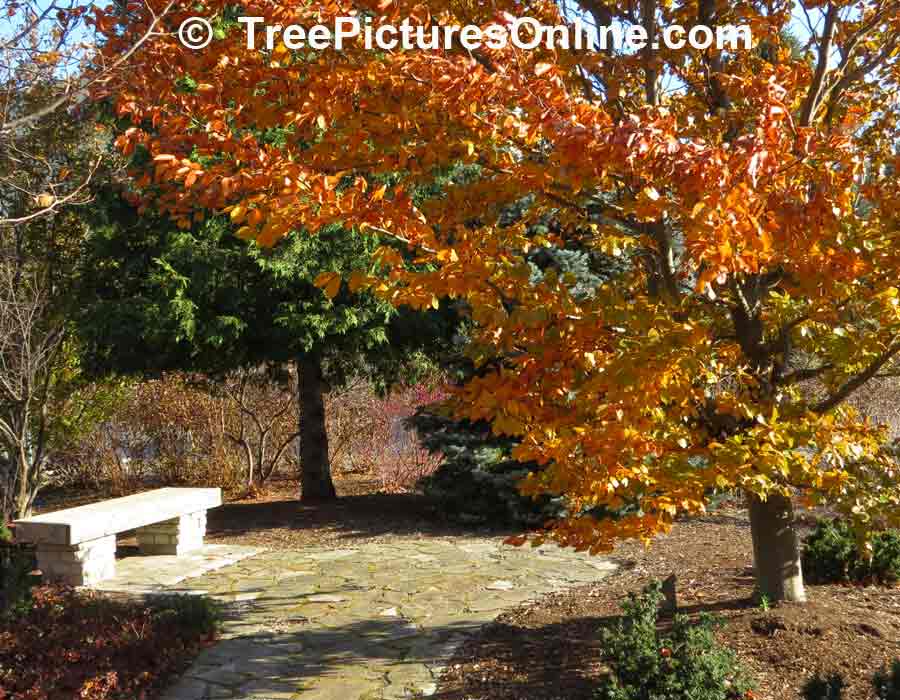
363	514
73	644
549	649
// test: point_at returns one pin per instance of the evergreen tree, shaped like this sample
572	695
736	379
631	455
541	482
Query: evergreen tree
160	298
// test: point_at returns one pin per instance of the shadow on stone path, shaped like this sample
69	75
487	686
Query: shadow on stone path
376	622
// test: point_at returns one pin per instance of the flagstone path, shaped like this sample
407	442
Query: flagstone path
375	622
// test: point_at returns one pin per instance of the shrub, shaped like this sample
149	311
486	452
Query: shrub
831	554
822	688
885	565
378	439
16	580
195	615
72	644
685	664
887	682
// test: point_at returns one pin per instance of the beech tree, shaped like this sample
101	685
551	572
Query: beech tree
751	194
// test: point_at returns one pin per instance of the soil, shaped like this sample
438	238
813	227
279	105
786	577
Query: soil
362	514
549	649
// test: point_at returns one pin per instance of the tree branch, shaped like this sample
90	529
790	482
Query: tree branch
856	382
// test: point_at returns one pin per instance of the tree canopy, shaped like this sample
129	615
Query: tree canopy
751	195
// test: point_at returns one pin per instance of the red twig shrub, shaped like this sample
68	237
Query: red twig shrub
394	450
367	434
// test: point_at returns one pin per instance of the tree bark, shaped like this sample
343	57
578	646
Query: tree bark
25	479
315	469
776	549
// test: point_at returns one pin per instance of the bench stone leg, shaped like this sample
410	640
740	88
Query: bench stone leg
176	536
81	564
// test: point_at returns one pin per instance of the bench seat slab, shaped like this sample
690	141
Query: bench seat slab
90	522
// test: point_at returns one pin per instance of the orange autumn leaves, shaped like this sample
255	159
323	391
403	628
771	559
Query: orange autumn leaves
748	235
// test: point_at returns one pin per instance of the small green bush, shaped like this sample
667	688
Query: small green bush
193	615
822	688
831	554
16	580
886	556
685	664
887	682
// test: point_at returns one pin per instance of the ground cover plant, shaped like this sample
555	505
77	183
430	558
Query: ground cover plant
75	644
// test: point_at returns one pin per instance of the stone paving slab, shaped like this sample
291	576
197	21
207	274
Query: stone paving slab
147	574
375	622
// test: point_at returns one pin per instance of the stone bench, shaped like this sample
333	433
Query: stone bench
78	545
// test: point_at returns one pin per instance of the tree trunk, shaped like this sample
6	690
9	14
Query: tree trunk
25	479
776	549
315	470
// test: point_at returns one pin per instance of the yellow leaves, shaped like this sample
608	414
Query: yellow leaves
447	255
321	122
388	257
651	193
542	69
615	245
237	213
47	57
649	204
329	282
271	233
45	200
378	194
505	424
725	249
358	280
